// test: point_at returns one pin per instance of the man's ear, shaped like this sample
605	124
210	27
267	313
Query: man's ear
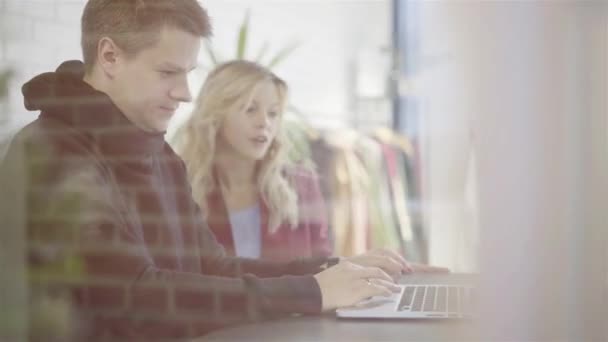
108	56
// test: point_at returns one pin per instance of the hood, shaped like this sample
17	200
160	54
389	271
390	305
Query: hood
64	96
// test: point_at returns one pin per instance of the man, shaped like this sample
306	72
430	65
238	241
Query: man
109	215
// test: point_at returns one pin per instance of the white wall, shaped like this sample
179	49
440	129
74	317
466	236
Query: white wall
36	36
42	33
332	33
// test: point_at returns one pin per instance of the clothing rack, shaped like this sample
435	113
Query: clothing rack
369	184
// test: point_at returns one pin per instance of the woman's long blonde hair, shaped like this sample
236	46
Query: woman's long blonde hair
228	88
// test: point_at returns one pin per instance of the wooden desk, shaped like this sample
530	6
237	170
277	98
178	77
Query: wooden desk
329	328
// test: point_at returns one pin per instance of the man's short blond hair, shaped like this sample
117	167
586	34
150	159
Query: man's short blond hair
136	24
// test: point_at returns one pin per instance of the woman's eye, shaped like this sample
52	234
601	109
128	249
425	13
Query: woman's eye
251	109
273	114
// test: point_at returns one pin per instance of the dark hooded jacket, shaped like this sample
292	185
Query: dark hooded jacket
110	220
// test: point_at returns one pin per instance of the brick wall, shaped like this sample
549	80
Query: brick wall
37	35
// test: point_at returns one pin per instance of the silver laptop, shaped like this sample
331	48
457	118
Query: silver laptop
418	300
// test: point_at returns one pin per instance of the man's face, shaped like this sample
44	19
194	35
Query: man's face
149	86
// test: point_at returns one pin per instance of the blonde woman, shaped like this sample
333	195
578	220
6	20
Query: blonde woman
256	203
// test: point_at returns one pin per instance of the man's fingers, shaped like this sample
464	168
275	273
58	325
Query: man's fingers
394	288
404	264
375	273
429	269
393	255
376	261
386	263
377	287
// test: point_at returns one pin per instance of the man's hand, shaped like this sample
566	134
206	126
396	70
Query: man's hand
392	263
422	268
346	284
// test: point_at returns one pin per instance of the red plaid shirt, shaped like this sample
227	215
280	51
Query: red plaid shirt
308	239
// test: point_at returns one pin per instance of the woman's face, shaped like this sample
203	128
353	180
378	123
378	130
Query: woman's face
249	132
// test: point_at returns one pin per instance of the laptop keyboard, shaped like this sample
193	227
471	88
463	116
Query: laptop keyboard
436	298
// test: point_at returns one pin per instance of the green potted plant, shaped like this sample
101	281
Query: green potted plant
242	44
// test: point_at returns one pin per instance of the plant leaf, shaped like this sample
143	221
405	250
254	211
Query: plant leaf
210	53
242	40
282	54
5	76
